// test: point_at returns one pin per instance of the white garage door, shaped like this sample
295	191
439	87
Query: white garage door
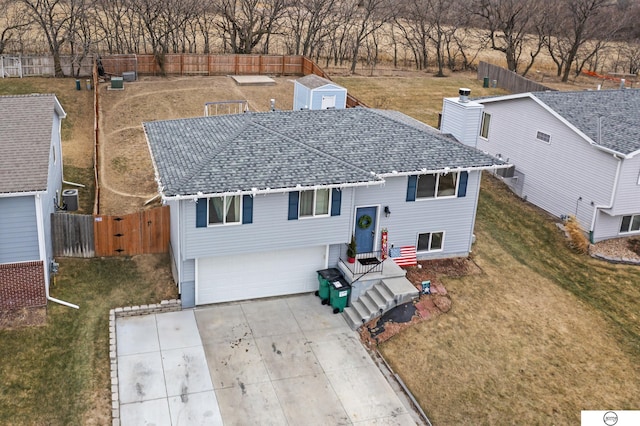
250	276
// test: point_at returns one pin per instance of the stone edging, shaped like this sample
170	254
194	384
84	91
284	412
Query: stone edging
620	260
172	305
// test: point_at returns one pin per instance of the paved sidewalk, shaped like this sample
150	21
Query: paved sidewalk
162	371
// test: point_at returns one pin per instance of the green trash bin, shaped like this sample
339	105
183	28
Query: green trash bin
485	82
339	291
324	277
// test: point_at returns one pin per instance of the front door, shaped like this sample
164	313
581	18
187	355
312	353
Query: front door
365	228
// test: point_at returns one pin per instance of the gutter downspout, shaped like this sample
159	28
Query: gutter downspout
62	302
610	205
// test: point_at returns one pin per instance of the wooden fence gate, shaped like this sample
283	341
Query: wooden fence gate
144	232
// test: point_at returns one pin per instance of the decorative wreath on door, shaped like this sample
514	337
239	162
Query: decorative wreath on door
365	221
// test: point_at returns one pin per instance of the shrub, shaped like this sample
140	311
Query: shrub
577	238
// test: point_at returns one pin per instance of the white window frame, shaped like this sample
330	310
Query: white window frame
638	178
315	205
430	250
224	206
631	220
485	125
437	184
543	139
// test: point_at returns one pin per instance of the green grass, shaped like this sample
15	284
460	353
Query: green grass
58	373
86	194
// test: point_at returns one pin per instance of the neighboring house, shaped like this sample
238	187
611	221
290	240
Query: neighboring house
575	153
315	92
30	190
260	201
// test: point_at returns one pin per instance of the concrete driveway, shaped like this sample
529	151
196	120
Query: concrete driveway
284	361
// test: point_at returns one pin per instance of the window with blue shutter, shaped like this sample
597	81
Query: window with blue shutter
247	209
201	213
462	185
293	205
336	200
412	182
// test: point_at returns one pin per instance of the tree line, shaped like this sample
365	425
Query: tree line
444	34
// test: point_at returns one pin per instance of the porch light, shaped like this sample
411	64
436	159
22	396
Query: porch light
387	212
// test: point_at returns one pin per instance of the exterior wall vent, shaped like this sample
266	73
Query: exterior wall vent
464	94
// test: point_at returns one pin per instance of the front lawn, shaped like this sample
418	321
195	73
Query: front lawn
540	335
58	373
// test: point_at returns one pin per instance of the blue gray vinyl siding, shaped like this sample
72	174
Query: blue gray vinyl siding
627	200
334	255
54	188
306	98
564	177
18	230
271	229
462	120
454	216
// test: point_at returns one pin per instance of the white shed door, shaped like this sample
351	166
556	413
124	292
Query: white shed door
328	102
251	276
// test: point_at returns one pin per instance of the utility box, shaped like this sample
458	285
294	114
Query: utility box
129	76
117	83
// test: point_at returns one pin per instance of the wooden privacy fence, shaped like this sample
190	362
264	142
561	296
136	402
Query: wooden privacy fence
143	232
199	64
509	80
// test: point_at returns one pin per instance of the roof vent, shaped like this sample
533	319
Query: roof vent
464	94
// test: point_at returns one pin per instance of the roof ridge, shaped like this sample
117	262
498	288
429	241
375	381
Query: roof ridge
326	154
212	156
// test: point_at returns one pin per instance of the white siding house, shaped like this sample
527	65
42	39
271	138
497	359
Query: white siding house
30	188
575	153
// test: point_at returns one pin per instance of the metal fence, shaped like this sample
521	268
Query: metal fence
508	80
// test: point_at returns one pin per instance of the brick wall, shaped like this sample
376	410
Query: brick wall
22	285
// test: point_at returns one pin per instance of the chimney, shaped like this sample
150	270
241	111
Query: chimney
464	94
622	81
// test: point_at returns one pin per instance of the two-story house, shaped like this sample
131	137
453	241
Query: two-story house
30	191
575	153
260	201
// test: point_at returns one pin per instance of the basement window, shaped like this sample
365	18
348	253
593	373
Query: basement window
544	137
484	127
630	224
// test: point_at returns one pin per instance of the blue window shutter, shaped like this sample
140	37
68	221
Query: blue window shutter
201	212
247	209
336	200
411	188
294	196
462	186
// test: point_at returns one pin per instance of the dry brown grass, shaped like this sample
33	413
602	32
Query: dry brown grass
126	170
577	239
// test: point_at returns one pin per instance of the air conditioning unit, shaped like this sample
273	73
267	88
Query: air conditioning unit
70	199
506	173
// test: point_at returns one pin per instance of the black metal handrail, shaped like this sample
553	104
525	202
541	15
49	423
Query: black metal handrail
365	263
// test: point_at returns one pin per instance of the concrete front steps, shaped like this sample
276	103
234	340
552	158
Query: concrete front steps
382	297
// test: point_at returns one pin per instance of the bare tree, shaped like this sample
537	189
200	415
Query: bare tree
51	17
245	23
369	15
577	22
310	23
509	24
413	20
14	20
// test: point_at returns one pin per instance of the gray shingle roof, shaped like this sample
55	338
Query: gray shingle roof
313	81
615	112
283	149
26	125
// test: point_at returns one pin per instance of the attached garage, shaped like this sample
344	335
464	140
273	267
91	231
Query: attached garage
255	275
